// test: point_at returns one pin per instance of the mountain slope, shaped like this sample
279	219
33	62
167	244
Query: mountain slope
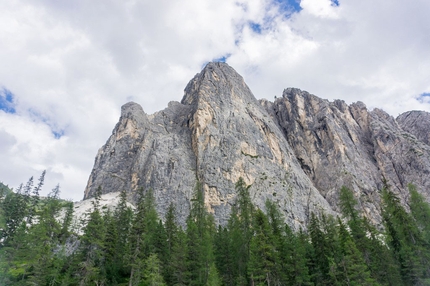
297	151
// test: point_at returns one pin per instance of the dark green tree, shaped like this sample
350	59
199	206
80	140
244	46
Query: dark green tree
143	236
200	231
92	248
262	266
405	240
240	231
171	233
420	210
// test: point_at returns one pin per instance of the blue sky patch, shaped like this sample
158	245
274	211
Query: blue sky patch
55	130
222	59
58	134
7	101
424	97
255	27
289	6
335	3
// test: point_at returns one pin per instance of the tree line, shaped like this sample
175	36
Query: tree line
38	246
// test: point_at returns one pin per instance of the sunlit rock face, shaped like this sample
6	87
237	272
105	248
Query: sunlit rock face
297	151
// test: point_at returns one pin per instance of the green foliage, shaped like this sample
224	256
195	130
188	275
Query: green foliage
200	231
122	247
420	210
406	240
263	261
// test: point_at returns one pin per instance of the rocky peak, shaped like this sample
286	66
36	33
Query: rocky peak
297	151
217	84
416	123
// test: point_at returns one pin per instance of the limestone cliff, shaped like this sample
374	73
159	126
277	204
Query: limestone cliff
297	151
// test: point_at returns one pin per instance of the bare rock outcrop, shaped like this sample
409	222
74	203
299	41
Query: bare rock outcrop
297	151
339	145
417	123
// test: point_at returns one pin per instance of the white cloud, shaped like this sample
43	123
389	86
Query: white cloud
72	64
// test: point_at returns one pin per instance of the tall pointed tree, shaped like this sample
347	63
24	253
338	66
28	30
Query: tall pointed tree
200	230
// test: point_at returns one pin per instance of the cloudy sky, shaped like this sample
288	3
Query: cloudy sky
66	67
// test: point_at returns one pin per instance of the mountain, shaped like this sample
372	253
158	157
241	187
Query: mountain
297	151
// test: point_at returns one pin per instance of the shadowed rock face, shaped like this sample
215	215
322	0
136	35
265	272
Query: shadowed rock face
339	145
297	151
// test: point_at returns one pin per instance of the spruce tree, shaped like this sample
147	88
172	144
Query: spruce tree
405	240
179	265
240	230
294	257
152	272
200	230
420	210
262	266
142	240
92	255
171	232
319	263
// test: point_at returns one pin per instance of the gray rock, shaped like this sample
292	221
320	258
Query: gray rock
297	151
217	134
339	145
417	123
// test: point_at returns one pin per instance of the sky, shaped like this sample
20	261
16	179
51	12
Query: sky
66	67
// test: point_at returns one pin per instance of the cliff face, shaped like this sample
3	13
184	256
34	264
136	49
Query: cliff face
297	151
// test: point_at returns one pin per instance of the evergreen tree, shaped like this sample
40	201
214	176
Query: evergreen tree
14	212
143	236
178	265
92	256
113	258
171	233
67	222
420	210
43	238
123	217
351	268
213	276
200	230
240	230
294	257
405	240
152	275
262	266
376	255
319	263
223	255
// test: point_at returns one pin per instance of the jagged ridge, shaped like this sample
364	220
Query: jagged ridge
297	151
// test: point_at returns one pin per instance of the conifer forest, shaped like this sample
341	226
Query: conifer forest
39	245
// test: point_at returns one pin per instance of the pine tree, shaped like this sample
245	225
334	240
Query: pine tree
420	210
294	257
262	266
14	211
240	230
171	233
278	240
405	239
178	264
92	254
351	268
223	255
213	276
143	235
200	230
152	274
112	264
43	239
67	222
319	263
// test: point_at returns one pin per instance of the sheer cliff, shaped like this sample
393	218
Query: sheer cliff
297	151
